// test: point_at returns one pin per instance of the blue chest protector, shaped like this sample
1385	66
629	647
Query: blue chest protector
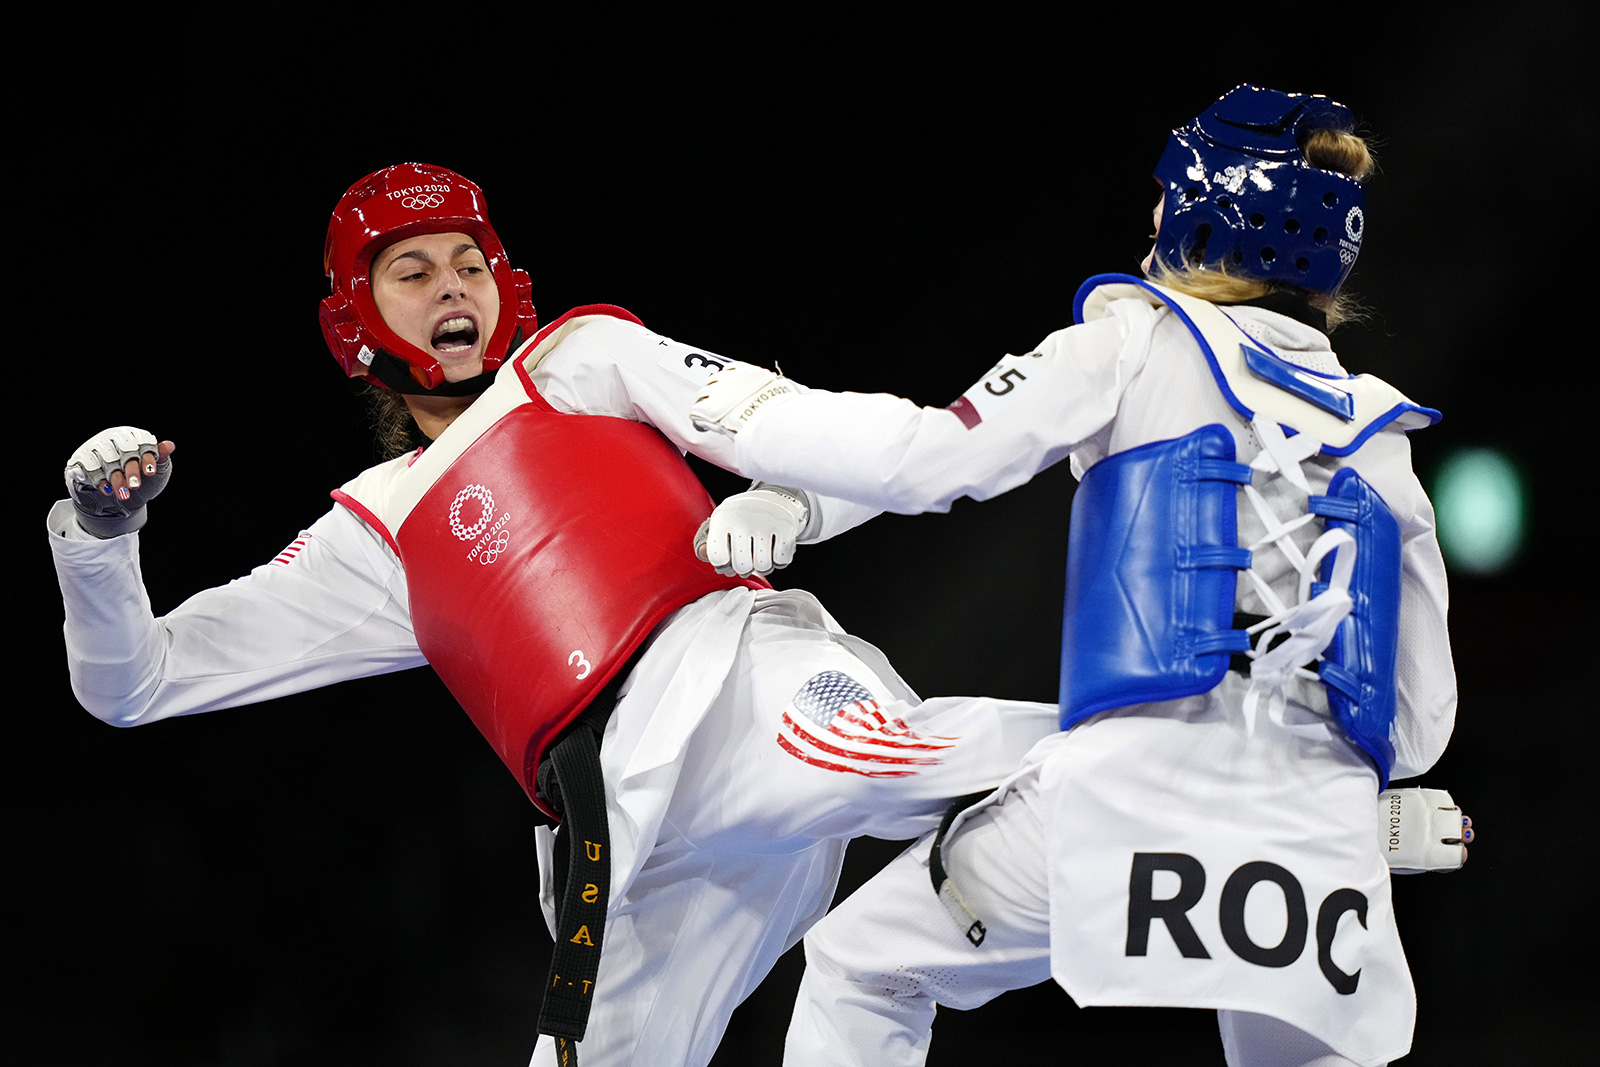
1358	668
1152	567
1153	557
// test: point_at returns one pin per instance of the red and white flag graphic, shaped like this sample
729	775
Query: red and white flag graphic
834	723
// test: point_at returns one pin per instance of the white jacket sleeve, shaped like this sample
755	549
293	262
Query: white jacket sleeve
1025	414
617	368
613	367
1425	671
330	608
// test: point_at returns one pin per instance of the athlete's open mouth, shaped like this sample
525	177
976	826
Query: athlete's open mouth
455	335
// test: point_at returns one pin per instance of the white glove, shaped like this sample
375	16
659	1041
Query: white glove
110	499
753	532
735	395
1422	830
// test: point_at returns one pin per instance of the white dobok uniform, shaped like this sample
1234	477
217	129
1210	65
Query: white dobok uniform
1252	815
752	739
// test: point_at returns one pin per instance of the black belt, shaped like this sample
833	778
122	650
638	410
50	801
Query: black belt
949	895
569	778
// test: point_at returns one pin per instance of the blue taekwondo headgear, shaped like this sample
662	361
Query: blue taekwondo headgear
1240	193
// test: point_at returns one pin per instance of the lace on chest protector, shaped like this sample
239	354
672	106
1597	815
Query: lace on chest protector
1342	627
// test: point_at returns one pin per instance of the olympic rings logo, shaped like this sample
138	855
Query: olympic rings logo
485	500
1355	223
424	202
491	552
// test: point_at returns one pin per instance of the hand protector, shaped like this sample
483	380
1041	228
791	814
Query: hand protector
735	395
753	532
1421	830
101	511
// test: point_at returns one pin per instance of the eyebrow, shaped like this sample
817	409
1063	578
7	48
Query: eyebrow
419	254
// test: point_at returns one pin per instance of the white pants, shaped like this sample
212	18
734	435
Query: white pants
858	1007
881	962
749	851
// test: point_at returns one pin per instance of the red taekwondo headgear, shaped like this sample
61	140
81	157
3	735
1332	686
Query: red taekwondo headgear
391	205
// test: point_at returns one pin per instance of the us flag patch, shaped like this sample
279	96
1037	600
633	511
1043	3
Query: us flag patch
834	723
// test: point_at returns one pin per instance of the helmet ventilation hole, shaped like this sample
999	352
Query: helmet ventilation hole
1291	225
1268	255
1258	220
1320	235
1330	199
1302	264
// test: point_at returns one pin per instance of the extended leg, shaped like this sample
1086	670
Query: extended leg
879	964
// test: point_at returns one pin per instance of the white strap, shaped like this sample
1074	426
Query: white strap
1344	562
1292	636
1283	455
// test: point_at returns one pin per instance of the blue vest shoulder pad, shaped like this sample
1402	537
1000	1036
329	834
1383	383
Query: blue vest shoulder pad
1341	412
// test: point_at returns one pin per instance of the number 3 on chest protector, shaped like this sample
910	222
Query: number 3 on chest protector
577	660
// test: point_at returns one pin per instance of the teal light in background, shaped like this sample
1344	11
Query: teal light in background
1481	504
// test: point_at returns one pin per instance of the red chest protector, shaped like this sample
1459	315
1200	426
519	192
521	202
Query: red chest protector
540	550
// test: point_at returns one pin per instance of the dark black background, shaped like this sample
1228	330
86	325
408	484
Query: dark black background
347	877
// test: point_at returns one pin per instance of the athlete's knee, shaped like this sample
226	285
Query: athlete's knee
851	955
834	947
